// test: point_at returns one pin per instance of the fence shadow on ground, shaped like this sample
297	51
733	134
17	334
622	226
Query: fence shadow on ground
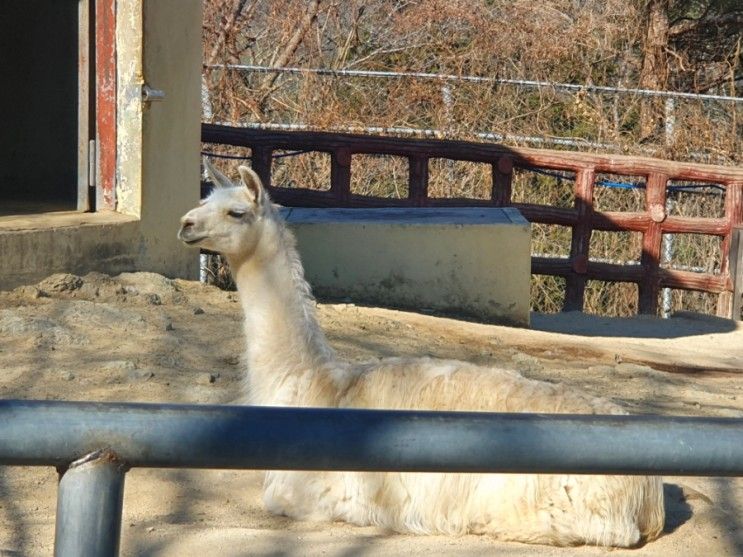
641	326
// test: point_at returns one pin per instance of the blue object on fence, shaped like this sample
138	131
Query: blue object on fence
685	188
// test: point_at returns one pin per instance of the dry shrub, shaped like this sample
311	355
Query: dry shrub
550	240
615	299
547	293
301	170
595	41
379	176
689	300
449	179
592	41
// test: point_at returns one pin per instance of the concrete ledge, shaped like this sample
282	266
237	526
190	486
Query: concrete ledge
60	219
32	248
469	261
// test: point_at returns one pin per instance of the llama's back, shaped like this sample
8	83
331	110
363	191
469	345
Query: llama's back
554	509
430	384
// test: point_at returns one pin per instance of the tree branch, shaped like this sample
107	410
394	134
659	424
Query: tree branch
680	27
282	59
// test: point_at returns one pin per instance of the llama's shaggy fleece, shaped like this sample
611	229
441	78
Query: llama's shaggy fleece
290	364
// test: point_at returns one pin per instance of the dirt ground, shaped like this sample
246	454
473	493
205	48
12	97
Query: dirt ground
141	337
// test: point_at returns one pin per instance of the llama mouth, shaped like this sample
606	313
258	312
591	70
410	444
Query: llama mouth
194	241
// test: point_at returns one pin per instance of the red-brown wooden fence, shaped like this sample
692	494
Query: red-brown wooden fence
583	217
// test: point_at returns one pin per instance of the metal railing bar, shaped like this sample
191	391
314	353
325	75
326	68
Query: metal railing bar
427	133
533	84
243	437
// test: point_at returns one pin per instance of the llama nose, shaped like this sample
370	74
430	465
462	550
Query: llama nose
186	223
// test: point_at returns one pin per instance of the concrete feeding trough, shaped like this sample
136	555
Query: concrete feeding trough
467	261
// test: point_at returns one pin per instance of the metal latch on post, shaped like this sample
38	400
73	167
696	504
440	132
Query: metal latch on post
152	95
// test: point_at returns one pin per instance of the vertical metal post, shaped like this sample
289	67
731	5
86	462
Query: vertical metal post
206	262
448	101
206	102
736	271
203	268
89	506
667	256
667	248
670	120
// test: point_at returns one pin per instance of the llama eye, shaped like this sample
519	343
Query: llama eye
236	214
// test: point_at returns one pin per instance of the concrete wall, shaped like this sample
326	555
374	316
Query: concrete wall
466	261
47	244
159	45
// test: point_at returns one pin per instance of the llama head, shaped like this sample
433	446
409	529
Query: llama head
230	220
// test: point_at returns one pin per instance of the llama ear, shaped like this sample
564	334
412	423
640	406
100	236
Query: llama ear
252	182
217	178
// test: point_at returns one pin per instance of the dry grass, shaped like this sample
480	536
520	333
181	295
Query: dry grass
301	170
596	41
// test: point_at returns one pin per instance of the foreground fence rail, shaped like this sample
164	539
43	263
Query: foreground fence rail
582	218
94	444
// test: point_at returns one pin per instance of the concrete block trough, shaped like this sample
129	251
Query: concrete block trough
467	261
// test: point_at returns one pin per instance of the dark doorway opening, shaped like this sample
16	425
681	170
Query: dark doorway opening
38	106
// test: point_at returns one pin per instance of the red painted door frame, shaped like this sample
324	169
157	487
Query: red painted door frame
105	103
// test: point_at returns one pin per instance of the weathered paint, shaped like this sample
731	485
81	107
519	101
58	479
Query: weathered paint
105	65
130	80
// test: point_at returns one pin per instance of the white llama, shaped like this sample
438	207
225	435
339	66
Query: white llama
290	364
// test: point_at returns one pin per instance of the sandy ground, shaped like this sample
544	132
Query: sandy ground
141	337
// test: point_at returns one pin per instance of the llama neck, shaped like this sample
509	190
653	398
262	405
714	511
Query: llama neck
285	344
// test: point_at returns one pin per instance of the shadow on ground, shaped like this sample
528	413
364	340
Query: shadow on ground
582	324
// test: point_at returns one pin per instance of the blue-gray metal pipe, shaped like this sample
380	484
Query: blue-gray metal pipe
158	435
89	505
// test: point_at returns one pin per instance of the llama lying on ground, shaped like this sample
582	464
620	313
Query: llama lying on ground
290	364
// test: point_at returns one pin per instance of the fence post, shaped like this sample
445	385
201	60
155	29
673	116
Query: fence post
502	173
655	199
736	271
340	175
261	160
575	288
418	180
89	505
